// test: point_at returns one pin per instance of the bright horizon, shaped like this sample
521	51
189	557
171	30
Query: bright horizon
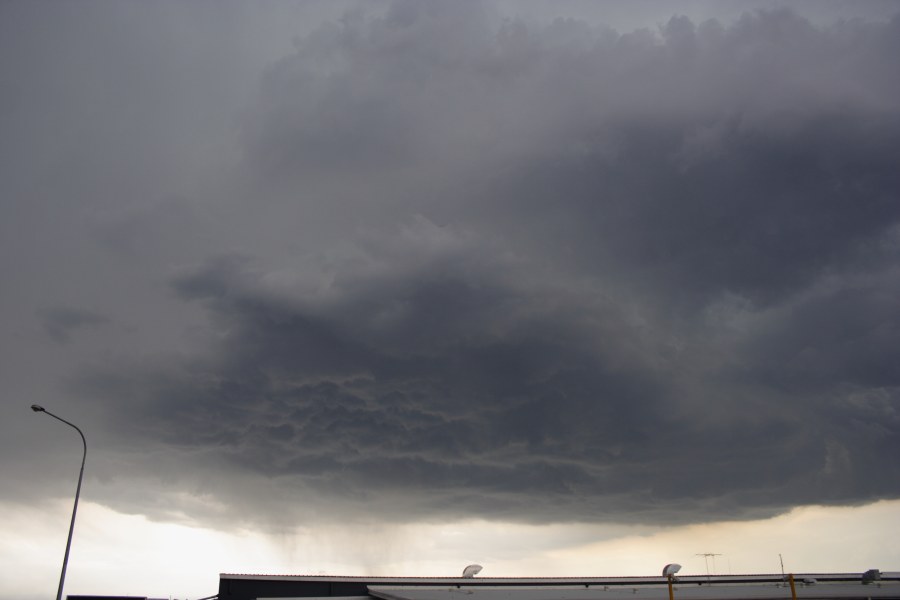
116	554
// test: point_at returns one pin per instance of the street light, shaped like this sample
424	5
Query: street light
62	576
669	573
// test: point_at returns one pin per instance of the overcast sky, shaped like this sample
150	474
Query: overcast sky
575	270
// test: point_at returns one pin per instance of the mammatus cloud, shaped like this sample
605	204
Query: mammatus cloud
563	274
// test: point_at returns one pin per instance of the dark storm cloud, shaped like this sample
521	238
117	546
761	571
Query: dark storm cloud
745	159
444	392
764	216
847	335
61	322
441	382
560	273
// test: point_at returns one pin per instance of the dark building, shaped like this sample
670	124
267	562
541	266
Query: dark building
70	597
818	586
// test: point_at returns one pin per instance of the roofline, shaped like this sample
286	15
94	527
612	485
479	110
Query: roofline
531	581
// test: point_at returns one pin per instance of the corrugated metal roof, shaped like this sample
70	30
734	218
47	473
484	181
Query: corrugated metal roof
819	591
531	581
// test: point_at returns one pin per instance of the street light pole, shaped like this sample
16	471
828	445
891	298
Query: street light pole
62	576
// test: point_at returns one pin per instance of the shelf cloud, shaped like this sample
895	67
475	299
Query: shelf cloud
457	263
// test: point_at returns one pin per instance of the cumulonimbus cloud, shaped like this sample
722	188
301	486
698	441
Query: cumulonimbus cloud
639	277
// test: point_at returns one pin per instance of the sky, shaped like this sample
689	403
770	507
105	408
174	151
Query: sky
392	287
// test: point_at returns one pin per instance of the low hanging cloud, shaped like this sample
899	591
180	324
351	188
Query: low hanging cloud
571	275
61	323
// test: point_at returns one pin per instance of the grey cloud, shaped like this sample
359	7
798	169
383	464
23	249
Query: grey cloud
747	159
553	272
769	214
537	418
845	336
61	323
430	401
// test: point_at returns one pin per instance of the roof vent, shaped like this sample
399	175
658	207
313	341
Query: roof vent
870	576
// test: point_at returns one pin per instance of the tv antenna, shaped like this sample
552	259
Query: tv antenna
706	556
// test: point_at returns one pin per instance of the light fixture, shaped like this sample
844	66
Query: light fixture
62	576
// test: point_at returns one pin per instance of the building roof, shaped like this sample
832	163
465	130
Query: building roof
818	586
753	591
